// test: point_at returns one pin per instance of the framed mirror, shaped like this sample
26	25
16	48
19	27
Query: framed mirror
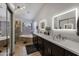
65	21
42	25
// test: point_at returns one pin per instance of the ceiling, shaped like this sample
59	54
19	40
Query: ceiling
27	11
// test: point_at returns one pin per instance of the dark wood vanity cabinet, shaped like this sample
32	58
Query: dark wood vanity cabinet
40	45
47	48
35	38
57	51
68	53
51	49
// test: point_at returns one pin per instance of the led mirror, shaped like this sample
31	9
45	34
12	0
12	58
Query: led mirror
65	20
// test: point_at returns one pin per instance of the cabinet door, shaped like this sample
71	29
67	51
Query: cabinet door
35	40
40	45
57	51
47	48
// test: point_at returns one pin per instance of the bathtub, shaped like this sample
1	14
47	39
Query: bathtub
3	37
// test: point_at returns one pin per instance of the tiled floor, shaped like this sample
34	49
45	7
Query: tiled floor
20	50
4	51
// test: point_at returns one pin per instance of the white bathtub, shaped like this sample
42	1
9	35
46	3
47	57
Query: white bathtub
4	38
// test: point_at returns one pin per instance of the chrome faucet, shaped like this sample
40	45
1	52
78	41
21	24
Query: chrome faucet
58	37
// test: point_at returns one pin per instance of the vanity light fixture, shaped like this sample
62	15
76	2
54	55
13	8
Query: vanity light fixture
76	17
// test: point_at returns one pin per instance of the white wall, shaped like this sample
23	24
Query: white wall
49	10
3	12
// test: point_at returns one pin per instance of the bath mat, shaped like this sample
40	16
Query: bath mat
31	49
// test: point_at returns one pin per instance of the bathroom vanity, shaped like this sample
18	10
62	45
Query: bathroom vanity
50	47
59	43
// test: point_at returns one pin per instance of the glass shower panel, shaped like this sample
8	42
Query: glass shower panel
8	32
4	30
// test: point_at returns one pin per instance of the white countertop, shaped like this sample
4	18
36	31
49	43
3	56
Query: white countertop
69	45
